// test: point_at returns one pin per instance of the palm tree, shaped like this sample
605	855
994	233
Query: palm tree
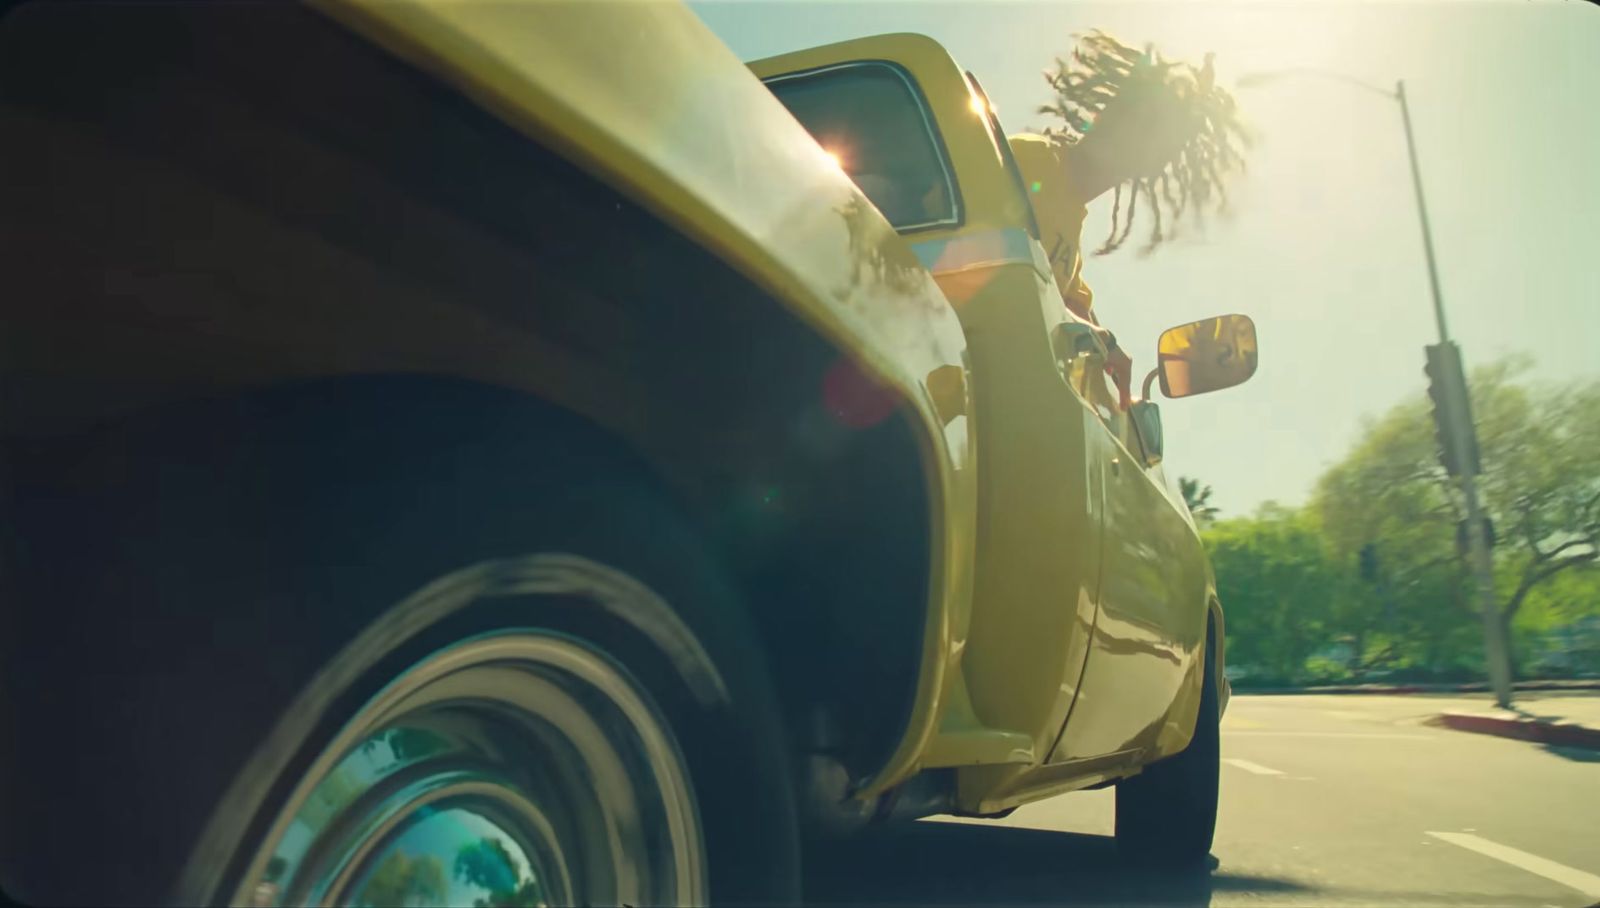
1198	498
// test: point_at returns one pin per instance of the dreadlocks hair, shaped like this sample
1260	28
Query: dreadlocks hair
1101	69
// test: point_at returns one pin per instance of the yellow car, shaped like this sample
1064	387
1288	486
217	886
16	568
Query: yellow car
521	454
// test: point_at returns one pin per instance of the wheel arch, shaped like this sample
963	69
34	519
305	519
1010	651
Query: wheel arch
1217	642
432	287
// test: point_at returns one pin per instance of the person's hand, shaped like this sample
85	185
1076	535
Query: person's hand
1119	365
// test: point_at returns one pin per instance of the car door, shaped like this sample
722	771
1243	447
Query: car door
908	125
1151	620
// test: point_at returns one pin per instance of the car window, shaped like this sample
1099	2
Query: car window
872	119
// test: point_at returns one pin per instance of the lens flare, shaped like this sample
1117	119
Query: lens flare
854	400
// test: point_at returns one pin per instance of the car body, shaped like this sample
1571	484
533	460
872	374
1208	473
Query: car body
969	574
1090	589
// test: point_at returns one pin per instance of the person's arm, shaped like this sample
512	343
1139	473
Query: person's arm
1091	174
1068	192
1119	365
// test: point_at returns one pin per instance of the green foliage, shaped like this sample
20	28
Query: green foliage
1198	499
488	864
1280	587
1406	606
405	879
1558	628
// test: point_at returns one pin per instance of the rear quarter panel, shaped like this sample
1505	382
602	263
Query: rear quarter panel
645	98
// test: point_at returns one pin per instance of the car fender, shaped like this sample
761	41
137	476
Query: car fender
687	132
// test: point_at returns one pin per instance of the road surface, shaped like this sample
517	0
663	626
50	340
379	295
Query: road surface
1326	800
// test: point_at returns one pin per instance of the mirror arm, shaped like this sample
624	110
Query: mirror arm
1144	393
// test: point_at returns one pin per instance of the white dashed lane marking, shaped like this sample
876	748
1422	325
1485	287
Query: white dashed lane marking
1247	766
1375	736
1586	883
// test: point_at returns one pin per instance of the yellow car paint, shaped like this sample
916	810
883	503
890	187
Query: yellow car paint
685	130
1081	659
960	322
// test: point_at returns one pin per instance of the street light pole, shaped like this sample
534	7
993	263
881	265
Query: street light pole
1479	556
1462	430
1422	212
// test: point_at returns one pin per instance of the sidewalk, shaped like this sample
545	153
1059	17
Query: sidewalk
1391	688
1561	717
1571	720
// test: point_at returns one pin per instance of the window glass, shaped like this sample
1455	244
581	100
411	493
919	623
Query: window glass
871	119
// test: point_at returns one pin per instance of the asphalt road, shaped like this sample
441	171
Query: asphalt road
1326	800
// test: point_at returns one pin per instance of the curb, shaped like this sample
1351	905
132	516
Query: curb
1561	734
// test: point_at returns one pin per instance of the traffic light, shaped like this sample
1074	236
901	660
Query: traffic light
1452	410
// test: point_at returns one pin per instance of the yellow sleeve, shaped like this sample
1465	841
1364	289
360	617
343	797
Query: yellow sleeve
1059	209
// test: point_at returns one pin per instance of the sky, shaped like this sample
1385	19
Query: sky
1324	249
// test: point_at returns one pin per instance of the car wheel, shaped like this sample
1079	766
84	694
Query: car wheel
561	762
459	659
516	768
1168	813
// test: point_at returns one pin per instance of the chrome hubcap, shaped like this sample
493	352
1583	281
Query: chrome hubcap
516	769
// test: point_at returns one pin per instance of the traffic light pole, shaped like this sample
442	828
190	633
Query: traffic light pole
1464	432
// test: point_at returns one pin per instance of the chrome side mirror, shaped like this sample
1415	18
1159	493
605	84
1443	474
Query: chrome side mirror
1146	418
1207	355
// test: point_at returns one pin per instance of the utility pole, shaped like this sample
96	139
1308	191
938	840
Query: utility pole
1459	441
1458	436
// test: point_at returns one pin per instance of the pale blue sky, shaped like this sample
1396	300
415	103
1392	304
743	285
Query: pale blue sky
1324	251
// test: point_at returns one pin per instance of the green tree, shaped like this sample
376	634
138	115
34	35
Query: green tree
1198	498
1544	489
1558	628
1541	487
405	879
1280	587
489	864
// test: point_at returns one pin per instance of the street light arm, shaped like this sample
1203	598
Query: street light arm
1250	80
